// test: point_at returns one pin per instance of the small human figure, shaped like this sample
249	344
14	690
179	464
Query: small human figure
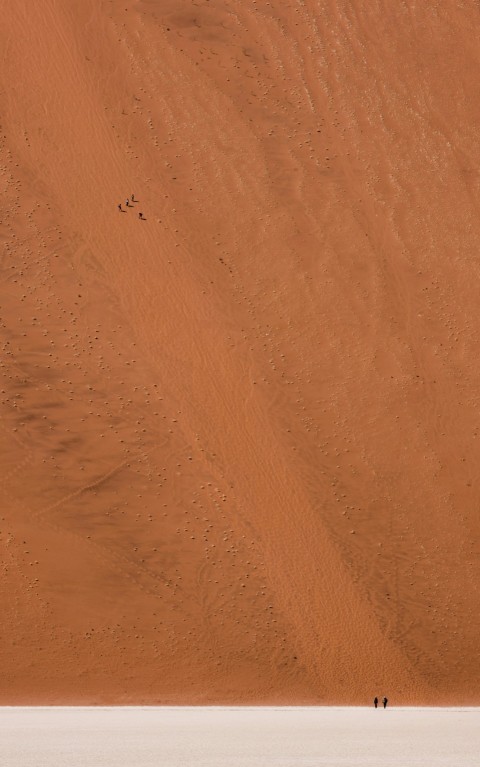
140	215
385	701
375	701
133	198
127	203
120	207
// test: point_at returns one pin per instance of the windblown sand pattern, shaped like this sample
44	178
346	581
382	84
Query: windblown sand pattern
240	437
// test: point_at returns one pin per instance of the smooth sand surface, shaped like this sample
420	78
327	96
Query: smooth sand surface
240	438
239	737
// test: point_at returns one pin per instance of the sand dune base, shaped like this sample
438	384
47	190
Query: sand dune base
239	737
240	434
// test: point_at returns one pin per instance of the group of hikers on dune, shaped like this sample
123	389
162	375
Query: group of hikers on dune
128	204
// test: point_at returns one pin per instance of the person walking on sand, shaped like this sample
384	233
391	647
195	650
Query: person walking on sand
133	198
140	215
120	207
127	203
385	701
375	701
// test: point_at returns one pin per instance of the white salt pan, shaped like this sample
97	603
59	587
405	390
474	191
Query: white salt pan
239	737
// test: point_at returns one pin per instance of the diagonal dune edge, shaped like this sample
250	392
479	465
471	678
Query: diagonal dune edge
239	432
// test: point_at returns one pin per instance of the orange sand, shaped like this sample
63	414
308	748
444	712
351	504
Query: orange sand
240	439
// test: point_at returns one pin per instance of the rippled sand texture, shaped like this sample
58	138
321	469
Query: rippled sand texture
239	438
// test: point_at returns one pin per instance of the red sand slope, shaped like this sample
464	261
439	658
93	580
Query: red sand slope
240	439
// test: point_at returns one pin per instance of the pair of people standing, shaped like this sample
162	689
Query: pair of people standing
384	701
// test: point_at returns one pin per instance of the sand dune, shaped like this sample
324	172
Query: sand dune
240	435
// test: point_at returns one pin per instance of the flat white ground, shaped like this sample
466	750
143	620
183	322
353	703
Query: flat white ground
239	737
